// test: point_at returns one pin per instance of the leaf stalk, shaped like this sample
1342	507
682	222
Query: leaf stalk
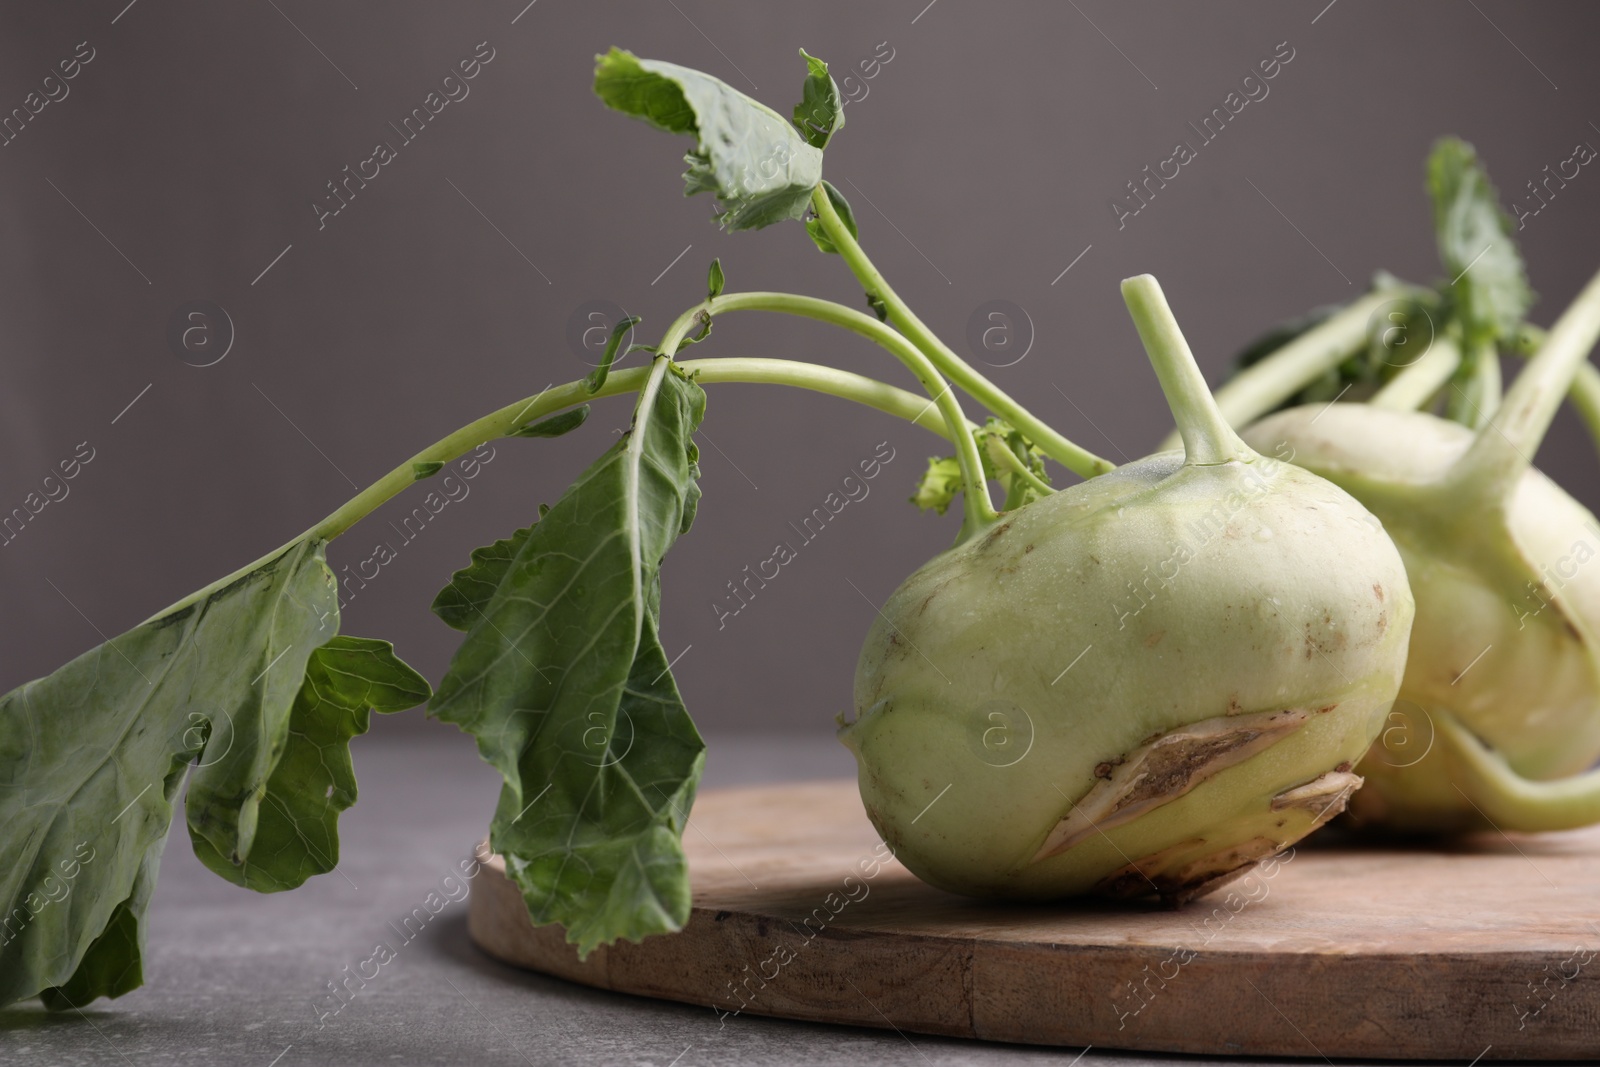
504	421
902	318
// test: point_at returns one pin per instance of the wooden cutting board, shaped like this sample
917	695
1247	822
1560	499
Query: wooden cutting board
1489	946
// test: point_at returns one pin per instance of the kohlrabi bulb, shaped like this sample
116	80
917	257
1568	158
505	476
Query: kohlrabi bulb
1499	713
1145	683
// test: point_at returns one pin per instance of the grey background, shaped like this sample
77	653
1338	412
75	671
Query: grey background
200	134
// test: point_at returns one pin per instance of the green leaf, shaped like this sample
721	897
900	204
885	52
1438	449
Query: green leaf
555	425
879	307
820	112
563	681
753	160
995	439
114	964
608	862
939	484
846	216
426	469
92	757
597	377
1490	287
461	603
937	488
297	835
715	281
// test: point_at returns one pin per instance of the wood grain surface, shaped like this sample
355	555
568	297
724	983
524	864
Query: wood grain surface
1487	946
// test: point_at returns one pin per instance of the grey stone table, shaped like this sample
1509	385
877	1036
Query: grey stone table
234	978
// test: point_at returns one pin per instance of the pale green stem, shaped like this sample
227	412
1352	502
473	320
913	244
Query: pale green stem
1474	400
1487	387
1510	801
1585	397
672	340
1419	382
978	507
1004	457
1207	437
1585	391
991	396
1264	386
502	422
1504	448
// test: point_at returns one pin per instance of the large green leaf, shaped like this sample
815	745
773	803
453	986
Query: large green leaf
1489	285
92	759
751	158
563	681
92	756
297	835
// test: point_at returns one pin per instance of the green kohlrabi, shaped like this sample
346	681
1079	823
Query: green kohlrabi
1198	645
1147	682
1499	713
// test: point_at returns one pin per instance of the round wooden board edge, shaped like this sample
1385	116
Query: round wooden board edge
1283	1005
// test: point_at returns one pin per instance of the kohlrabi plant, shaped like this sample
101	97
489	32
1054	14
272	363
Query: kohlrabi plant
1197	645
1499	714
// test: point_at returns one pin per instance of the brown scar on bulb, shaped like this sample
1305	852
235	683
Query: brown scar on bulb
1164	768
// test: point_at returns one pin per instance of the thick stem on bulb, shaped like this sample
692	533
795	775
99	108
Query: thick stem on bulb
1207	437
1503	449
